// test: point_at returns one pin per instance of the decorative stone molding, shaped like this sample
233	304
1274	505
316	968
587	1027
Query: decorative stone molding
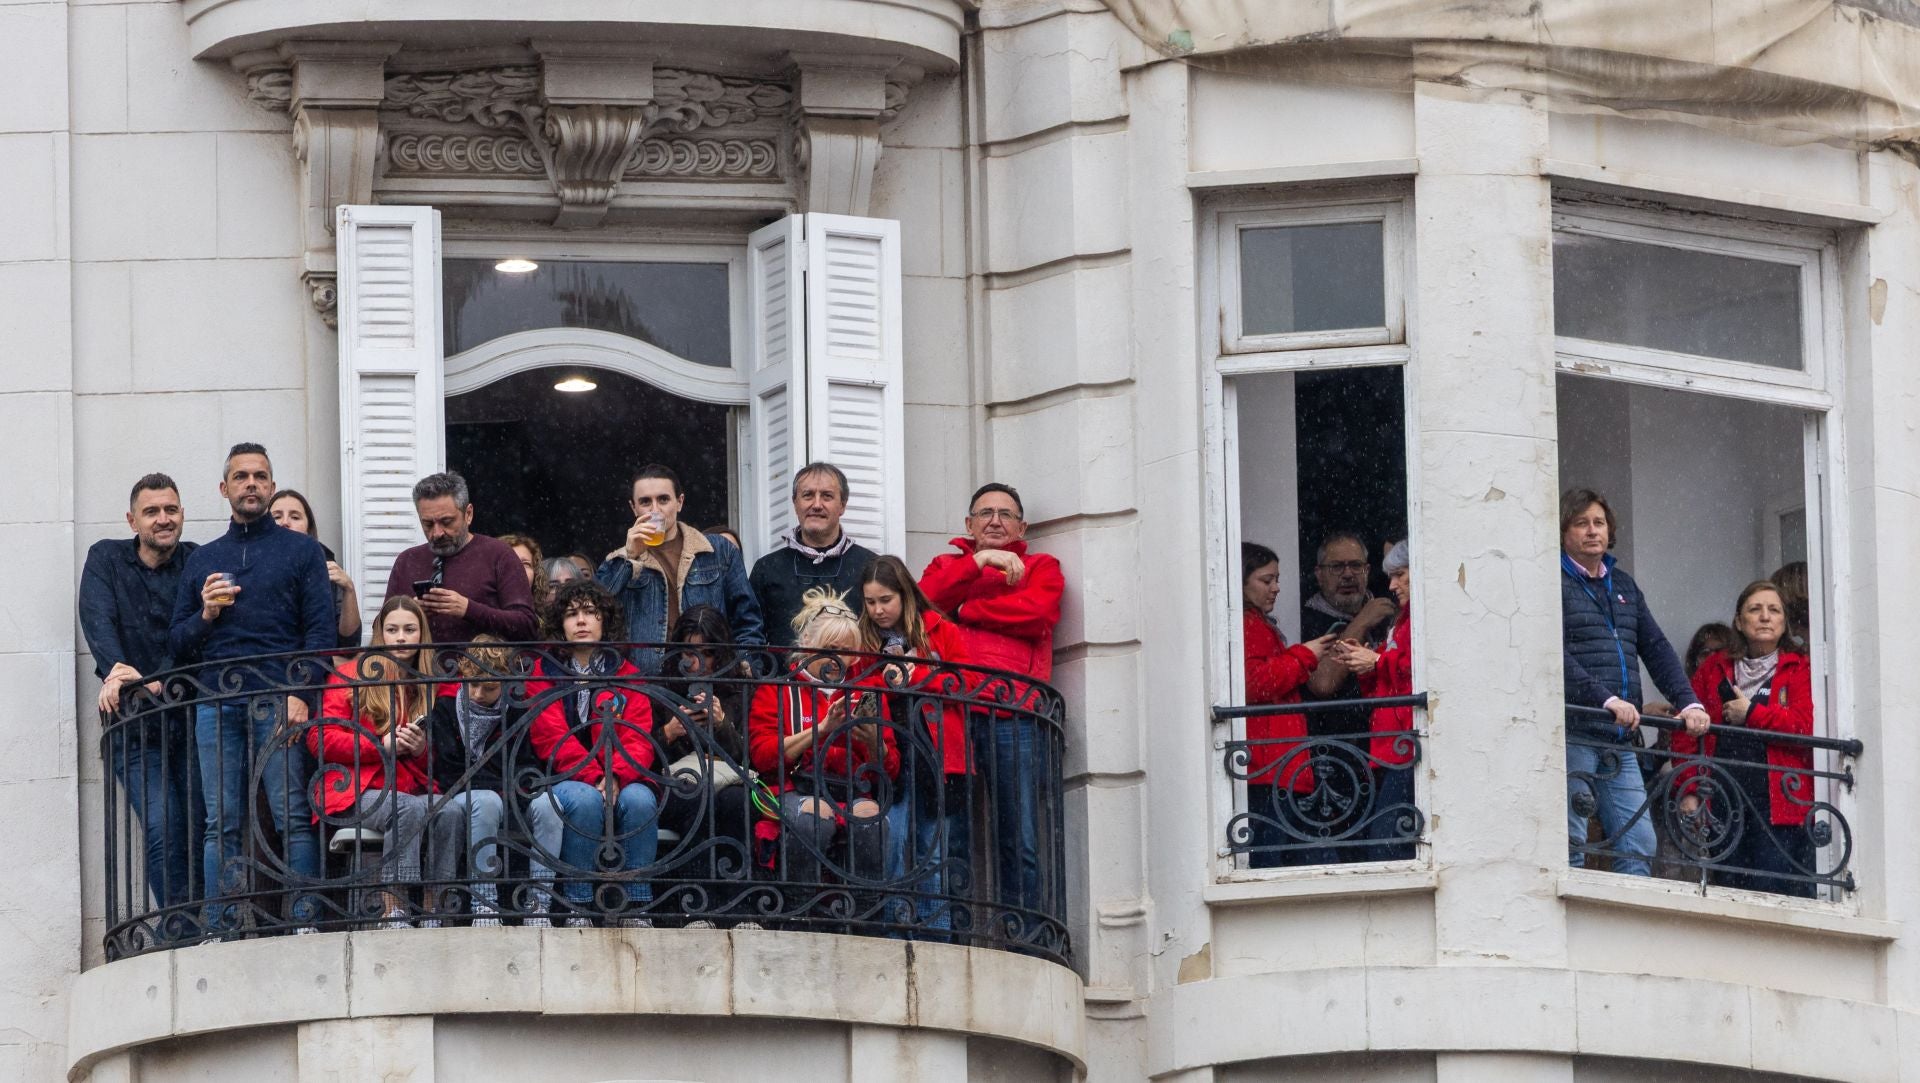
840	102
586	149
432	154
323	293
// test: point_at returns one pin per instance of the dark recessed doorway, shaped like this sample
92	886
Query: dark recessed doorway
556	465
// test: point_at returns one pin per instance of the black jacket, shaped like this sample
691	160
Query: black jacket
449	752
1606	631
126	608
781	577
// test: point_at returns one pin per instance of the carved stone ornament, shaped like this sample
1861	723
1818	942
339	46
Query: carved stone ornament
323	293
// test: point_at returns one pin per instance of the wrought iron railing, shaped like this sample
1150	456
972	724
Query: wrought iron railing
1729	819
1324	798
928	804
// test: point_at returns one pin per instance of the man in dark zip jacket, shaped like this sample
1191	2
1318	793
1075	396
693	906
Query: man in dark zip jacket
1607	631
258	589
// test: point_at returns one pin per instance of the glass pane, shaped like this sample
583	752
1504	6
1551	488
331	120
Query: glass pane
1312	278
1675	299
683	308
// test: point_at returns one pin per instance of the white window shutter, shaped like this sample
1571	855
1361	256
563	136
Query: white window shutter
777	408
392	430
854	405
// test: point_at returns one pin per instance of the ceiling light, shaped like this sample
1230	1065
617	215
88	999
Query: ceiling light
575	384
516	266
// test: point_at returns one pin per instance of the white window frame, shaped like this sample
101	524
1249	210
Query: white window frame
487	362
1229	355
1816	390
1395	240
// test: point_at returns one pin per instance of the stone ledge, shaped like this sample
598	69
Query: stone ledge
558	972
1723	904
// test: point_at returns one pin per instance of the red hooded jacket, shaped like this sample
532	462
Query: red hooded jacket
1791	711
350	757
1275	674
1003	626
1393	676
781	710
629	750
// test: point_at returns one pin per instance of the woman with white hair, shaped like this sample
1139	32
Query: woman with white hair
807	736
1389	672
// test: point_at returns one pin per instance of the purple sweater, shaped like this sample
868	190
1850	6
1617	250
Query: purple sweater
488	572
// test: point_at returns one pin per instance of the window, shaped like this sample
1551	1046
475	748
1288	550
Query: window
1696	393
1307	450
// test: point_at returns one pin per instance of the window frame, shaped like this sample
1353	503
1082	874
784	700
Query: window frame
1816	390
1226	355
1321	210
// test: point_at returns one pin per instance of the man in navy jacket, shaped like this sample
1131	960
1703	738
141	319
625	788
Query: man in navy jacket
1607	630
258	589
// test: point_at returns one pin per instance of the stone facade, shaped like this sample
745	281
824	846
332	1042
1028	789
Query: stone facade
170	172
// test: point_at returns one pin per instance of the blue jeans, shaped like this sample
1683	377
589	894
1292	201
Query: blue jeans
232	738
582	809
1015	781
1618	794
1393	795
922	835
1268	808
155	766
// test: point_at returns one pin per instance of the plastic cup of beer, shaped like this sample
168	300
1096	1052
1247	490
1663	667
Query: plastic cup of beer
657	530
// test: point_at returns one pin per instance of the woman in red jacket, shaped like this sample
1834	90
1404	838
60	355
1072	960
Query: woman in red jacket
594	736
807	739
1276	673
1390	673
927	828
372	746
1762	685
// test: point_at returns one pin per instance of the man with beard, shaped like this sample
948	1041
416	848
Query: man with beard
468	583
259	589
126	609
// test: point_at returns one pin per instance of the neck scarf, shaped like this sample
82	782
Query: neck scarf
476	722
1749	674
838	548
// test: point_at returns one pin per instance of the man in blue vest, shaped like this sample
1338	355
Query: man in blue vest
1607	630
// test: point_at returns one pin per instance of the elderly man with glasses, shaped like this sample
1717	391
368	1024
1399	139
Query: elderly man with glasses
1006	601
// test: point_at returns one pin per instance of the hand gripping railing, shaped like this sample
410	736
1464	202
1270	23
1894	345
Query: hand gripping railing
858	793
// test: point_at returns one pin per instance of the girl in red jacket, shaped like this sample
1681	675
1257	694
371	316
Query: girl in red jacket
1276	673
594	737
931	817
1760	684
372	747
808	739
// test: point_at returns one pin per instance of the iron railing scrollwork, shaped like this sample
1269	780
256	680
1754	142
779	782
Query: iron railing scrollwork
1324	798
929	806
1726	819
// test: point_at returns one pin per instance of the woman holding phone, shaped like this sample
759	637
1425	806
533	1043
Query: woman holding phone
832	769
706	801
1275	674
1756	685
291	510
372	745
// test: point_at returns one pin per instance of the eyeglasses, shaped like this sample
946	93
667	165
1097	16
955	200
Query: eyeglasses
1345	566
1005	515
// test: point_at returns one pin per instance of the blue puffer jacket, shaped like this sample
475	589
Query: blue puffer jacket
715	575
1606	631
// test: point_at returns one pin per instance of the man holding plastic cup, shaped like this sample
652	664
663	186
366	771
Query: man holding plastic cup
662	570
257	590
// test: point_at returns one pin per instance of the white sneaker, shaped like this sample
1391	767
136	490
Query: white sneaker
636	923
305	930
748	925
486	911
530	923
700	924
578	922
430	923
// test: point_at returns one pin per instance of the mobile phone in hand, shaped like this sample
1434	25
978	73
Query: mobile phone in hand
422	586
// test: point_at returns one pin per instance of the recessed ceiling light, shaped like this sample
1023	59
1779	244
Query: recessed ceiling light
575	384
516	266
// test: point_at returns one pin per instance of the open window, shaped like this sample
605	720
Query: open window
813	309
1307	417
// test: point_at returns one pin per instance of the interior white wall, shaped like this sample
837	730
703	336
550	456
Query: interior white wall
1270	483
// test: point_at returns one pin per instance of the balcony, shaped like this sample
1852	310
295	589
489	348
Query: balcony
926	803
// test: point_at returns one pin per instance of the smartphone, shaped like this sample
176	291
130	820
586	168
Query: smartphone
422	586
1336	628
1728	691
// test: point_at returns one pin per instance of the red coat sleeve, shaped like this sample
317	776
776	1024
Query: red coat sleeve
633	752
552	740
1027	611
764	730
948	579
1796	714
1706	689
341	740
1275	671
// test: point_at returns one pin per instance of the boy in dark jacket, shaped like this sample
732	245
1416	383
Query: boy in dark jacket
464	740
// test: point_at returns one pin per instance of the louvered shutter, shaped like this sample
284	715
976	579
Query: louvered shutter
855	416
391	410
777	408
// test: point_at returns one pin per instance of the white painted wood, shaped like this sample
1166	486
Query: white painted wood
776	436
392	412
499	358
855	412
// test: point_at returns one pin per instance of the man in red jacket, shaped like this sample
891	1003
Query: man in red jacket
1006	602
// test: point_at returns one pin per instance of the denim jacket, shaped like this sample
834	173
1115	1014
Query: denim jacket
714	574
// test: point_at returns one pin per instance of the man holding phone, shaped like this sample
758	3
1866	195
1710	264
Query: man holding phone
468	583
258	589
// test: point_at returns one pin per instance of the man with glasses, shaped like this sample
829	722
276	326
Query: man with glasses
1006	601
468	583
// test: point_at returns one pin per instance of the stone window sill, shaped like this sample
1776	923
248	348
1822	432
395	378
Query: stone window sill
1323	882
1723	904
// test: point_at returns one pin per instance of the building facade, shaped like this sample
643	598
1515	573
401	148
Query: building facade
1187	276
